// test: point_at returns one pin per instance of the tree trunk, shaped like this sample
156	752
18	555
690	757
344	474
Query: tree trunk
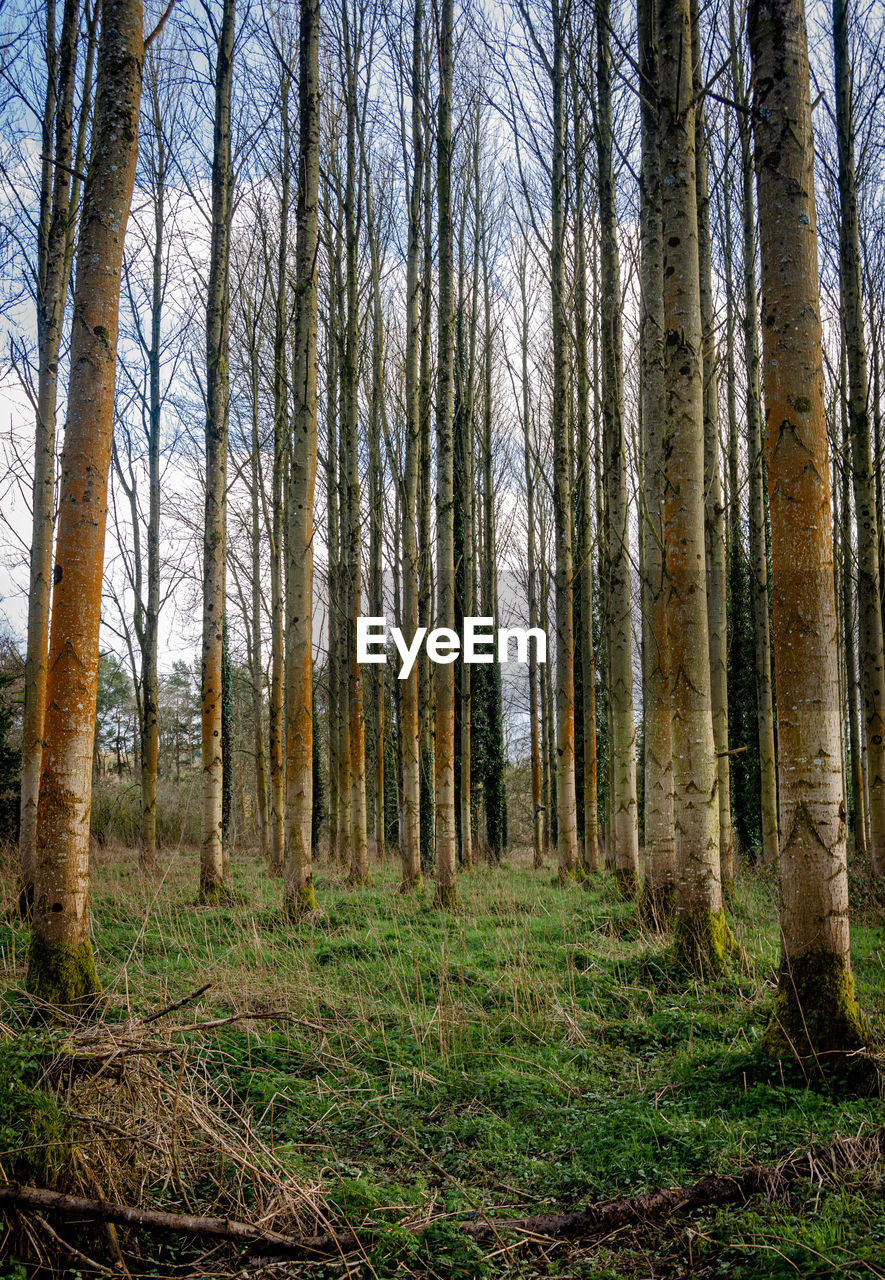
359	850
298	890
846	599
566	805
254	623
212	878
623	800
61	969
332	678
538	807
701	934
53	273
660	835
872	657
816	1008
714	510
410	843
444	765
756	489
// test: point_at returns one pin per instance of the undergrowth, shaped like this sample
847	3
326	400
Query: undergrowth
535	1051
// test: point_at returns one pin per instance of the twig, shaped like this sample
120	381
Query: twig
170	1008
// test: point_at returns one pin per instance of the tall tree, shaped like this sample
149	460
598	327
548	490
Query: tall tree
701	932
444	764
299	895
566	800
816	1008
61	968
410	841
623	799
714	512
54	239
660	835
212	858
872	650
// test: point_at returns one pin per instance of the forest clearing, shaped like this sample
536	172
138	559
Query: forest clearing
442	638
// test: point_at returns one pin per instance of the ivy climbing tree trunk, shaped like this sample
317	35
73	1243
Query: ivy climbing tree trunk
816	1008
298	890
61	969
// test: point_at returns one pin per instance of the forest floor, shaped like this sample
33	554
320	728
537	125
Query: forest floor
532	1052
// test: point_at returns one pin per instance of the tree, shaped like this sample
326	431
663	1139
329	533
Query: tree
298	887
701	934
59	189
61	968
446	894
872	649
816	1009
660	836
213	871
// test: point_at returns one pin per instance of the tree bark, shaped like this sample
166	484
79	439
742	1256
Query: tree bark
298	890
701	934
54	233
660	834
410	843
61	969
212	869
566	804
623	799
714	509
816	1009
444	764
872	655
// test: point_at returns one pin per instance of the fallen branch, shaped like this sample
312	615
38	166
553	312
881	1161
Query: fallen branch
178	1004
595	1220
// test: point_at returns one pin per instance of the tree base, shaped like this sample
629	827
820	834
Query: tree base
626	883
446	898
413	885
301	902
703	942
26	902
816	1013
62	975
216	894
570	875
655	907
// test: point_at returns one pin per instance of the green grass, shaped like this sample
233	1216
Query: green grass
533	1051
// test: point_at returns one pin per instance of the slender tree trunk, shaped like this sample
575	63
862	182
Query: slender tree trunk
537	798
61	969
332	677
756	489
816	1008
660	834
410	843
53	274
299	895
701	933
566	806
444	765
872	657
623	799
714	511
359	851
846	600
254	623
584	504
277	551
212	879
426	685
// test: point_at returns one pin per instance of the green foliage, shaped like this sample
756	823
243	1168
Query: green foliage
34	1135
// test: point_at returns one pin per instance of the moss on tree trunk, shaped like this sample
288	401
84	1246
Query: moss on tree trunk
703	942
61	974
300	901
816	1012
